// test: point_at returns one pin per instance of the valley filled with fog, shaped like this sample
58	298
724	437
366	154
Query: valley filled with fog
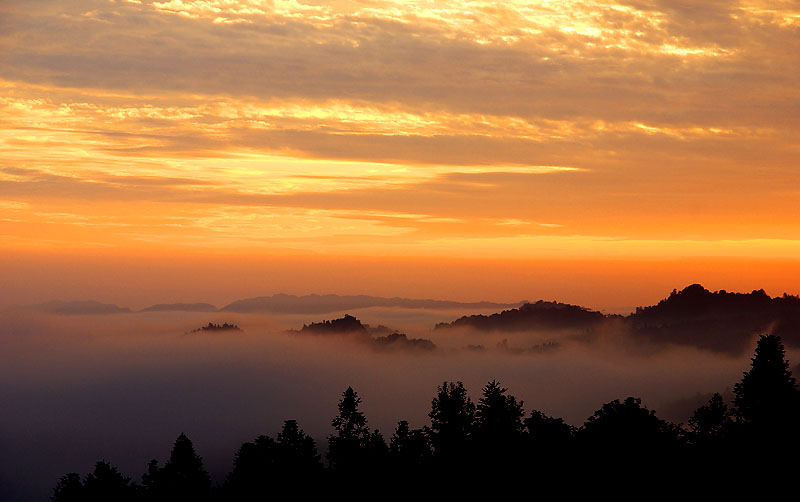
121	387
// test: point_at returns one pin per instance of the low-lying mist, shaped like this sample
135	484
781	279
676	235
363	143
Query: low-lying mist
77	389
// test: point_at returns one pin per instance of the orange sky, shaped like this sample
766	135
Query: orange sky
586	133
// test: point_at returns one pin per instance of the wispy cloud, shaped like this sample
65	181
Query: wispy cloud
387	120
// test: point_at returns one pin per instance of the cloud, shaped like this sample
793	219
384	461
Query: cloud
281	121
586	61
413	212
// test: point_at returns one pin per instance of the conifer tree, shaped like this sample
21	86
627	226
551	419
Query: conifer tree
296	451
347	447
183	477
452	422
766	398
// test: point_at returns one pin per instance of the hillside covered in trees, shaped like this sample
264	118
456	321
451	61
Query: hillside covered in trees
623	441
378	338
717	321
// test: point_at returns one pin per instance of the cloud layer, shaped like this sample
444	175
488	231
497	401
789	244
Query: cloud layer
417	125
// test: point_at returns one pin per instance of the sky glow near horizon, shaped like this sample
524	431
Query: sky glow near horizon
598	153
638	129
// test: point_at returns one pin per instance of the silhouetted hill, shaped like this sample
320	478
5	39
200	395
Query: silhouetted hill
696	303
531	316
719	321
77	308
180	307
345	325
323	304
379	338
217	327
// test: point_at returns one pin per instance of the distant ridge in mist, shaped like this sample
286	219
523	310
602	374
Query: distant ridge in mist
323	304
86	307
181	307
718	321
275	304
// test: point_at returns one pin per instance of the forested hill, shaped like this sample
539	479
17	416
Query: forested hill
696	303
346	324
719	321
531	316
378	338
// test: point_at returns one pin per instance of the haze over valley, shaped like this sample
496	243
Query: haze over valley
118	384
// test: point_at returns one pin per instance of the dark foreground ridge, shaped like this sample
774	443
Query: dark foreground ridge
718	321
623	443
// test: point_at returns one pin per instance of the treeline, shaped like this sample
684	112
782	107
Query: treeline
493	439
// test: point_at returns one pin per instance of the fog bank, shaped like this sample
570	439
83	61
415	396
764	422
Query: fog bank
82	388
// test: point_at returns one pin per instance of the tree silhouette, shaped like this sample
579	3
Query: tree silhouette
712	431
266	465
767	405
547	443
253	467
409	449
543	431
711	424
377	452
498	425
498	416
632	442
296	452
628	426
347	447
183	477
106	483
452	421
69	489
766	397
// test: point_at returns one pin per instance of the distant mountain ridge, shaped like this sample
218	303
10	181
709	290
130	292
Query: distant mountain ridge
181	307
276	304
719	321
324	304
